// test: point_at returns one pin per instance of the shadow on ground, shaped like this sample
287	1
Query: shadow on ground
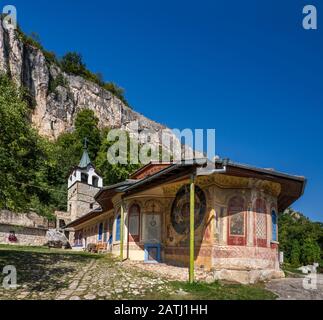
44	270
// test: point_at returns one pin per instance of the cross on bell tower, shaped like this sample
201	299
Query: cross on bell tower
85	141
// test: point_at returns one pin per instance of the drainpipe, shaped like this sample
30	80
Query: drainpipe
192	228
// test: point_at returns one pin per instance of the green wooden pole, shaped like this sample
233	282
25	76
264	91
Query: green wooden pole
121	230
192	228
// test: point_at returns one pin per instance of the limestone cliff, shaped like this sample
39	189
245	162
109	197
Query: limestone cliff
55	111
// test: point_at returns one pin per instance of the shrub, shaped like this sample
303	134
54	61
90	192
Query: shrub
72	63
295	254
58	81
117	91
310	252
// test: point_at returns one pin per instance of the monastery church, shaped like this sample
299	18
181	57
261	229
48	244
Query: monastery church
220	216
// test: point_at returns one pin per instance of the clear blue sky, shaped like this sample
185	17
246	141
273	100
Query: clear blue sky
246	68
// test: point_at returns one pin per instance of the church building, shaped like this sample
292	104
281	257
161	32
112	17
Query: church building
220	216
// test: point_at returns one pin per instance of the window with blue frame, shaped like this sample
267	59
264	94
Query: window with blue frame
100	231
274	225
118	224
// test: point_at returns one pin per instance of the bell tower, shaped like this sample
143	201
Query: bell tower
84	183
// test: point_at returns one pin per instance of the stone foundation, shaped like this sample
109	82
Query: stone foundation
245	277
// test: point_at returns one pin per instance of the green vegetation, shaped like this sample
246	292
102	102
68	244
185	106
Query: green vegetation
300	239
34	170
117	91
58	81
72	63
217	291
33	40
21	155
114	173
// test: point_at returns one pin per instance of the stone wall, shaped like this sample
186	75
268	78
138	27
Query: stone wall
23	219
27	236
29	228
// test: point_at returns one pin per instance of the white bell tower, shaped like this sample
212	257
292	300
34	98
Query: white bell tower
84	183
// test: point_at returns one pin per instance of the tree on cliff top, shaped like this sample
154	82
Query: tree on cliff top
72	63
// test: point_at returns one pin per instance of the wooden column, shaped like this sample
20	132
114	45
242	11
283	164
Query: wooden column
121	230
192	229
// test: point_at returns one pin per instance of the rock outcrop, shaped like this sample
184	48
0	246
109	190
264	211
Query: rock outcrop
55	109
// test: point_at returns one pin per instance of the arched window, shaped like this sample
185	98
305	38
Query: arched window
78	238
134	223
260	223
274	225
237	230
95	181
118	228
100	231
84	178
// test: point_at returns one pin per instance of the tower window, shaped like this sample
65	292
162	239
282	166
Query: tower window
62	224
95	181
84	177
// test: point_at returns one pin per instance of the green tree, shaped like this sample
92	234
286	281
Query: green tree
295	253
117	91
113	173
310	251
294	226
86	126
22	179
72	63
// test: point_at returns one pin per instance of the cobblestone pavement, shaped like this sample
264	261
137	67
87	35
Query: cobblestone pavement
48	275
102	280
293	289
70	277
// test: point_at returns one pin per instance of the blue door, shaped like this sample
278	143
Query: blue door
118	228
100	231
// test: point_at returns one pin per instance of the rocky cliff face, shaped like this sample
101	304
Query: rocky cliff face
55	110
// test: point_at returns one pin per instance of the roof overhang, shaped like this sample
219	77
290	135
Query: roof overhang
91	215
173	172
292	187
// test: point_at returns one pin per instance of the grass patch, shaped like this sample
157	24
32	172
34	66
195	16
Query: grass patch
215	291
291	271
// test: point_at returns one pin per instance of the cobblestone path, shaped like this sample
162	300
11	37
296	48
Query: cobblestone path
48	276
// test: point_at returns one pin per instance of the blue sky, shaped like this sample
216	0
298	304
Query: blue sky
247	69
